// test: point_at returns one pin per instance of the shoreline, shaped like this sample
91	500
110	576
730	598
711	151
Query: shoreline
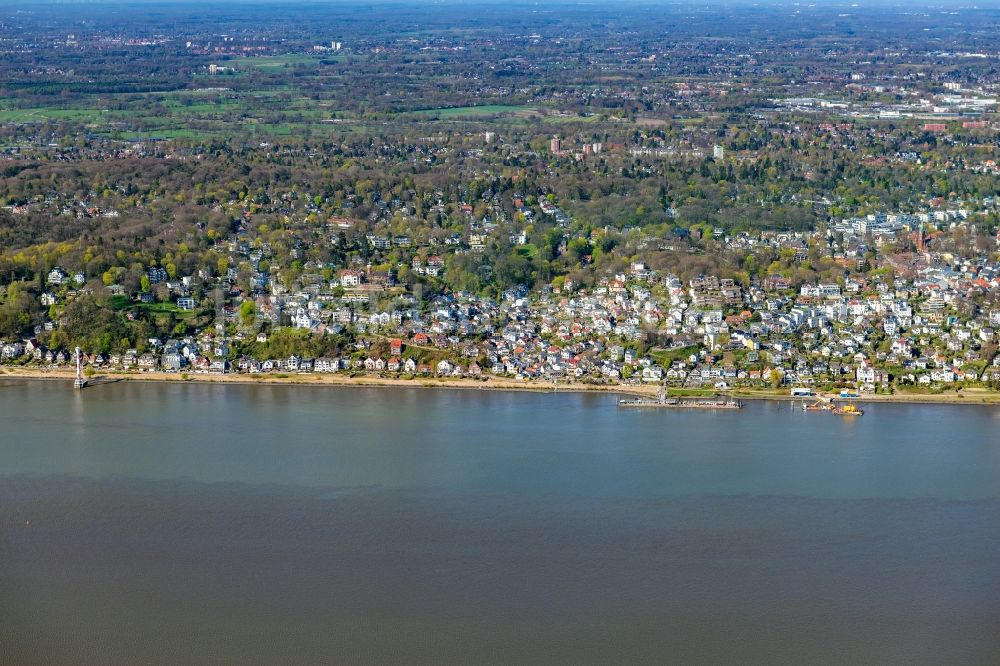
334	380
978	397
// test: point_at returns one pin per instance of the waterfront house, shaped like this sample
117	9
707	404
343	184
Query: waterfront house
326	365
148	362
11	350
173	360
652	373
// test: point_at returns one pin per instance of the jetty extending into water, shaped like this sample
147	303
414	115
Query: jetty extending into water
682	403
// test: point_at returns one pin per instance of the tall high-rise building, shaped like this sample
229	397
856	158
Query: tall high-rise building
718	152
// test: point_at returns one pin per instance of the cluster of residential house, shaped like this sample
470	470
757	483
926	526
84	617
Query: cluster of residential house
710	332
932	324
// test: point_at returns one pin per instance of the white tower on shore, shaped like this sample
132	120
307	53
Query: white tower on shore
79	382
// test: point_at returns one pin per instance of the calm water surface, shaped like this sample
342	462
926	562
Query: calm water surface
163	523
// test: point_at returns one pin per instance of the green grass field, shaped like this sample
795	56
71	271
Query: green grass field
281	61
555	120
485	110
78	115
162	134
528	251
668	356
155	309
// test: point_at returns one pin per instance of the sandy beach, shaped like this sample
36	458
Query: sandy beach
488	383
965	396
